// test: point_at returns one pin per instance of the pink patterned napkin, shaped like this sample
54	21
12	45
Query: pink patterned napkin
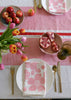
57	6
34	79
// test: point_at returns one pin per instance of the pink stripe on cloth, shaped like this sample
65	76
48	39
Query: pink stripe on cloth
33	51
43	20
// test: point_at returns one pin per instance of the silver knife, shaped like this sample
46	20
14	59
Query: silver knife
59	76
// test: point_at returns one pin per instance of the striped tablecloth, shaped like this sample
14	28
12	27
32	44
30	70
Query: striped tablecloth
35	26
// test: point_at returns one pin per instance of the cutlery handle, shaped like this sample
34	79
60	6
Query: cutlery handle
59	76
55	81
12	84
35	5
40	2
60	84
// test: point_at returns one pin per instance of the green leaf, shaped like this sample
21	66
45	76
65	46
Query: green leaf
7	33
0	58
25	46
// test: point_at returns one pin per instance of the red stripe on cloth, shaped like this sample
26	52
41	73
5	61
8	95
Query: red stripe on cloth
1	33
64	34
37	33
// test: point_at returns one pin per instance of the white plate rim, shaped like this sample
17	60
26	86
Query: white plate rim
51	79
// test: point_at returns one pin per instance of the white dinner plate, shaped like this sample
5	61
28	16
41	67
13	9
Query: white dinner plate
49	74
45	5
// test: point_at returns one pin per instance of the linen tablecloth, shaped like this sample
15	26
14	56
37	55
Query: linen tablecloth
47	22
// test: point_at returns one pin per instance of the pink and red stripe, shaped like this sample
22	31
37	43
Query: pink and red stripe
40	33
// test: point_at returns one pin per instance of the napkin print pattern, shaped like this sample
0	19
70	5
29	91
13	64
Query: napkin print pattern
57	6
34	79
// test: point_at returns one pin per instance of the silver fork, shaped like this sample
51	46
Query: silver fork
12	71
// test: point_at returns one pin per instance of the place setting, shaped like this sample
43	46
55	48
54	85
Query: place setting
32	82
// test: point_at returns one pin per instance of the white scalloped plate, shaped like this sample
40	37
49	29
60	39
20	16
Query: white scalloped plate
49	75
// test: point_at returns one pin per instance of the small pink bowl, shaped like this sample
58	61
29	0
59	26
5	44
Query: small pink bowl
48	50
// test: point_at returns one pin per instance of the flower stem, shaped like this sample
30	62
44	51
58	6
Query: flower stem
0	57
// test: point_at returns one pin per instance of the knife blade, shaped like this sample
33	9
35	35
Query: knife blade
59	76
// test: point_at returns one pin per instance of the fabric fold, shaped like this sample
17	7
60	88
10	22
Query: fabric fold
34	83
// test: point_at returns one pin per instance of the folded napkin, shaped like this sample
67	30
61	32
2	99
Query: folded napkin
57	6
34	79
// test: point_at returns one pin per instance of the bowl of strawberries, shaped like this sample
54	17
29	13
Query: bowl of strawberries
50	43
12	14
